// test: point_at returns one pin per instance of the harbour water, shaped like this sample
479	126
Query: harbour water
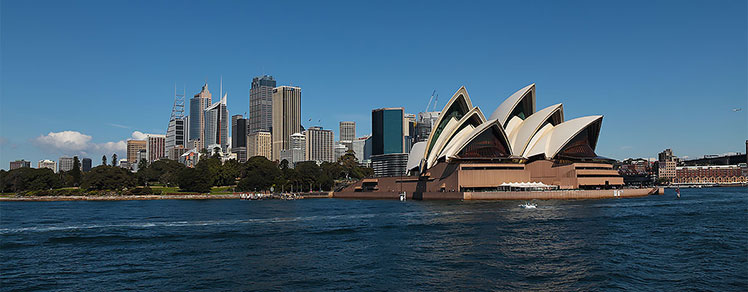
699	241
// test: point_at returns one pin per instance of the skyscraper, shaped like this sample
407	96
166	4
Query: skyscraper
217	125
319	146
387	131
198	104
286	117
239	137
347	131
261	104
175	133
154	147
133	146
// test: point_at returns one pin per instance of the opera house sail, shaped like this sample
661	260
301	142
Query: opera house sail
470	156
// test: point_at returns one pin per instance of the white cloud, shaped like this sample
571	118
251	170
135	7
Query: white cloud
138	135
65	140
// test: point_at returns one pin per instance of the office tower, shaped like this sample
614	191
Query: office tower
388	157
65	163
198	104
86	164
176	152
338	151
239	137
154	147
347	131
47	164
286	117
175	133
409	131
217	126
319	146
19	164
261	104
387	131
259	144
133	146
297	150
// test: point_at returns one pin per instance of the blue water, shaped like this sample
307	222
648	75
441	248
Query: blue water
699	241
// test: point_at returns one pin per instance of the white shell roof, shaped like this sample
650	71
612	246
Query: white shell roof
416	154
520	137
452	146
552	142
460	96
505	108
450	132
465	140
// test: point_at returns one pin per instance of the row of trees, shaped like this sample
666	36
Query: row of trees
257	174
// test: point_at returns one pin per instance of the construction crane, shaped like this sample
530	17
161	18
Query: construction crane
436	101
432	99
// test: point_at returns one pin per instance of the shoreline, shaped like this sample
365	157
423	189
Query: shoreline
118	198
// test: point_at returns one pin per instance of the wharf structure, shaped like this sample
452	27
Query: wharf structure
470	156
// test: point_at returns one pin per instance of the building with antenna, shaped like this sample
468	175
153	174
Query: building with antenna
176	132
216	125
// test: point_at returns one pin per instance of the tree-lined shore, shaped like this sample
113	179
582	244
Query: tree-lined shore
162	177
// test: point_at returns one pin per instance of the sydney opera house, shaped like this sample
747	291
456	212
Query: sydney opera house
516	152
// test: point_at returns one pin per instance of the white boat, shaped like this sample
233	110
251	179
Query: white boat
403	197
528	205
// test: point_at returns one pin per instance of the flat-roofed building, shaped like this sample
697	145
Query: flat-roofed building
286	117
19	164
259	144
319	145
133	147
47	164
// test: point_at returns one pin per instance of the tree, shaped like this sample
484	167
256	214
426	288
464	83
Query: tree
260	174
194	180
28	179
114	159
76	171
108	178
103	160
142	164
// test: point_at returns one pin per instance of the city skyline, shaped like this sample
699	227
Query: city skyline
652	99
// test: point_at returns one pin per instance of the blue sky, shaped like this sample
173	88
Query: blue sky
665	74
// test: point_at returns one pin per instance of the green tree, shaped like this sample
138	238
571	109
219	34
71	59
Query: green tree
114	159
28	179
261	174
142	164
76	171
108	178
194	180
103	160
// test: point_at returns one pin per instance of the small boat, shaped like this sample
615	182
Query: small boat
403	197
528	205
677	192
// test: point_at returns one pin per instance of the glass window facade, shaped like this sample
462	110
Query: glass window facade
485	145
387	131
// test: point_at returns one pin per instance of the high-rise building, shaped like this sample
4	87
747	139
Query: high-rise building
286	117
19	164
259	144
65	163
239	137
175	133
409	131
358	146
666	165
154	147
388	142
198	104
297	150
261	104
86	164
217	125
47	164
133	146
338	151
347	131
319	146
387	131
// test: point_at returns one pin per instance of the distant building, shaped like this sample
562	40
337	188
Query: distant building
666	165
714	174
286	117
358	148
65	163
176	152
155	147
133	147
338	151
123	163
175	134
19	164
47	164
347	131
198	104
666	155
261	104
409	132
86	164
297	150
239	137
217	125
259	144
388	127
424	123
319	145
